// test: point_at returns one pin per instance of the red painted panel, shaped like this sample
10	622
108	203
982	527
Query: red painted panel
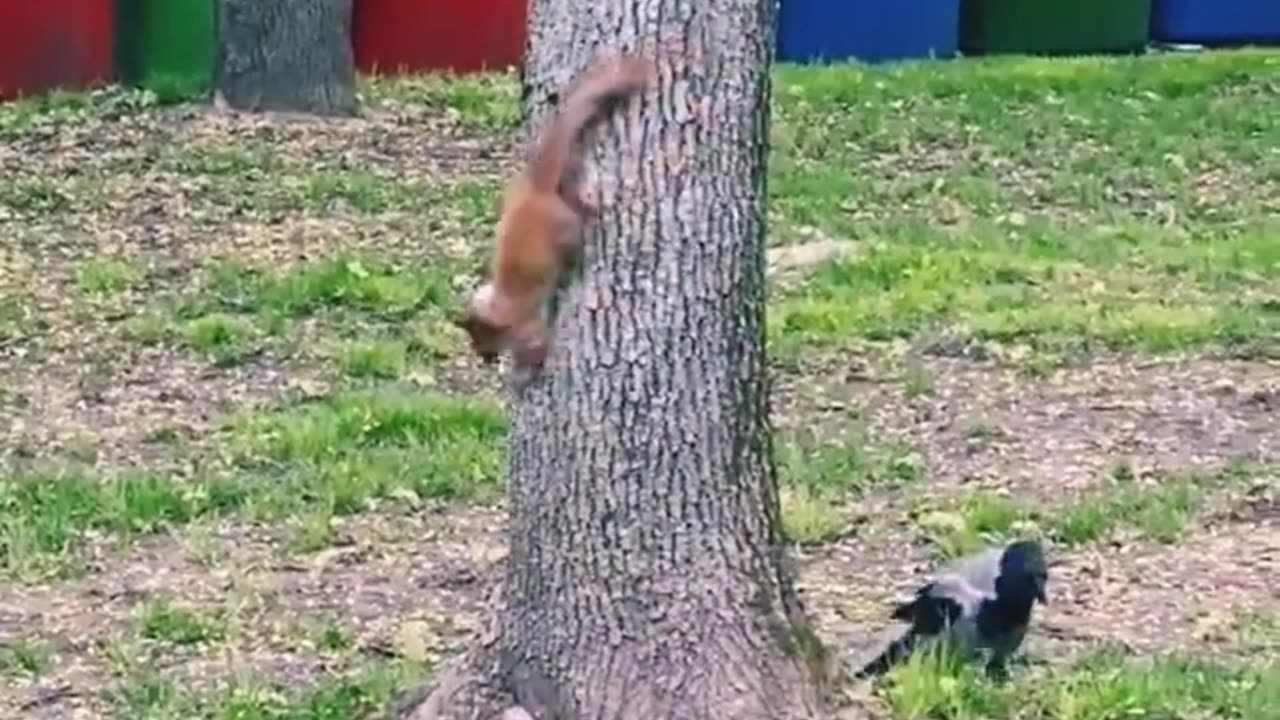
459	35
46	44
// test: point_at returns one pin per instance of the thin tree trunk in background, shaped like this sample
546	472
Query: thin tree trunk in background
645	577
287	55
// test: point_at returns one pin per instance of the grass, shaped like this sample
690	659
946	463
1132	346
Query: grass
916	381
37	196
316	460
1160	513
23	657
62	108
46	513
810	518
220	336
366	284
846	465
147	693
319	460
487	102
1013	200
973	522
236	309
820	477
1103	686
255	182
992	288
1259	630
374	359
360	445
164	621
101	277
235	303
1160	510
1054	208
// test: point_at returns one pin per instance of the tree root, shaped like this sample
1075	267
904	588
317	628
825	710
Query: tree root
473	689
445	699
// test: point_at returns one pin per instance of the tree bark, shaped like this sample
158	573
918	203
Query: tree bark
645	577
286	55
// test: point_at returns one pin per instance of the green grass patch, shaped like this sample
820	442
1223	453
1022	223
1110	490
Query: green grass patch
917	380
218	160
1159	509
1064	293
64	108
222	337
482	101
236	307
1160	512
845	466
354	693
856	145
34	195
24	657
325	458
46	514
379	359
364	284
1104	686
323	636
1077	202
175	88
312	532
344	451
1258	630
163	621
808	517
148	327
973	522
819	476
245	183
17	318
432	337
107	276
251	177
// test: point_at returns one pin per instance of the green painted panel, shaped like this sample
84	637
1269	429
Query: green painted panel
1053	26
166	45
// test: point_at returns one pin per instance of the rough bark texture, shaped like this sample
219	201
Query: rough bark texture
287	55
646	576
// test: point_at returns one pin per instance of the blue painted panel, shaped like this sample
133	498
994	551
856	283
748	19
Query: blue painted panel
1216	21
868	30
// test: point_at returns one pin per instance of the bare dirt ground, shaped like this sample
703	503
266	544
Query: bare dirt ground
431	570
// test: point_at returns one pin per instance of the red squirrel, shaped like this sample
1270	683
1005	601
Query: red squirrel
542	212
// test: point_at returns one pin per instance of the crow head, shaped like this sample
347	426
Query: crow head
1023	572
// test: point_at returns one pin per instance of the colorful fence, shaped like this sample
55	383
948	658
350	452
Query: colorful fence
46	45
168	45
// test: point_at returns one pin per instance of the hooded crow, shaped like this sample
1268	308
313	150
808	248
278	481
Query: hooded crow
981	602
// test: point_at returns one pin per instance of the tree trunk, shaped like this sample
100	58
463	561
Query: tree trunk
288	55
646	576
